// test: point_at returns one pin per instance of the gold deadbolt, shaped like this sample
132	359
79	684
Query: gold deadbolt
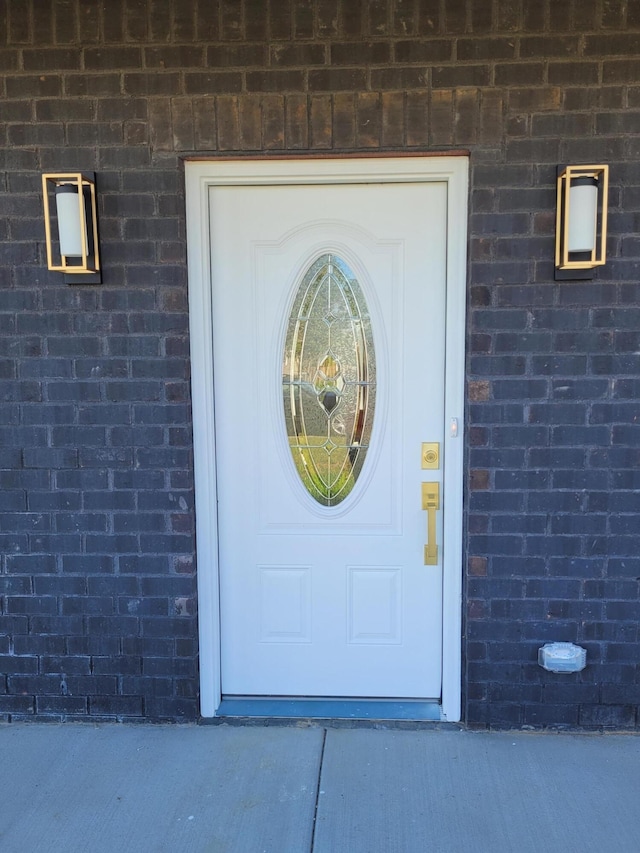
431	455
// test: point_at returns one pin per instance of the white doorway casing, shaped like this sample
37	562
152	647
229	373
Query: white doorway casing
201	176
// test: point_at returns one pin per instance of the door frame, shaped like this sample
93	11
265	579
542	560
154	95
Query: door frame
200	176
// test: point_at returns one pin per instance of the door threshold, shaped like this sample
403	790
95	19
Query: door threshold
331	709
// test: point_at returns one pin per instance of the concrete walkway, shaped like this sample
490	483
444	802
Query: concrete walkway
260	789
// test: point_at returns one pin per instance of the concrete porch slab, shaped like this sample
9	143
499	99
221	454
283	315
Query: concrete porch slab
254	789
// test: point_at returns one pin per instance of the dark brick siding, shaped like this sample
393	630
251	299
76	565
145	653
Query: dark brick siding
97	570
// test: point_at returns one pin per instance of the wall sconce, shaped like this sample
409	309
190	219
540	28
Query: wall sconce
72	227
581	220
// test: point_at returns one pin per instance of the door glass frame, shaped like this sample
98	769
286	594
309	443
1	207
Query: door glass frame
328	461
200	177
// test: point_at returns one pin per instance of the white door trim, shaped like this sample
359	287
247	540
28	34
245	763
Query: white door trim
200	176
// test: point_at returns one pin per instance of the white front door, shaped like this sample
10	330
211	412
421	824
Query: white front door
323	596
327	344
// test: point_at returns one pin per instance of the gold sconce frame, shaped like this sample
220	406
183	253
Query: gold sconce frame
581	220
82	264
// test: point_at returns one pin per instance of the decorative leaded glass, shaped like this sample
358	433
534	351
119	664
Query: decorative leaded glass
329	376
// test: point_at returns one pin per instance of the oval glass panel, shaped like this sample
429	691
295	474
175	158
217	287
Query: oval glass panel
329	376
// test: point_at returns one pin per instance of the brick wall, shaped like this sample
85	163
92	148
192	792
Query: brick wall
97	573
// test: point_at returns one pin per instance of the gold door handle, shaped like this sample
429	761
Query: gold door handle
431	502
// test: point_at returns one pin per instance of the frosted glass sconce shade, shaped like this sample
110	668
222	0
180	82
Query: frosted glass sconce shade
72	230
